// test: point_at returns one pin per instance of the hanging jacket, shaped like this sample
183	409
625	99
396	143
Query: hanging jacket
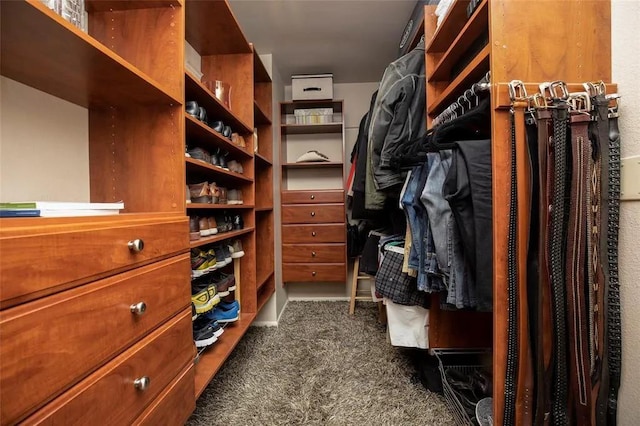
398	117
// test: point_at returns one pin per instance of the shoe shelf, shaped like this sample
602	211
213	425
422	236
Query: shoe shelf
193	206
42	50
210	361
213	29
220	237
261	281
260	116
450	27
206	137
110	5
199	166
310	129
261	160
473	29
216	110
313	165
264	209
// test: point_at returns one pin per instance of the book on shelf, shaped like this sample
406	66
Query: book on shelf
19	213
62	205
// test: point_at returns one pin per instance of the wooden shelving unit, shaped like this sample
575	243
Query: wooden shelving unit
518	48
310	129
263	108
212	358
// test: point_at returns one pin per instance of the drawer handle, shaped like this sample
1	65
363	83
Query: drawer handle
313	197
138	308
313	234
313	273
313	254
313	214
136	245
142	383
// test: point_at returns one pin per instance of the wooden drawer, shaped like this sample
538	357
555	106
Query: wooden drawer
311	234
109	396
313	253
50	344
174	405
324	272
62	253
313	213
314	196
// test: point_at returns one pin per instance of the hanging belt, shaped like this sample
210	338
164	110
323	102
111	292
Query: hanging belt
544	336
557	263
577	268
614	338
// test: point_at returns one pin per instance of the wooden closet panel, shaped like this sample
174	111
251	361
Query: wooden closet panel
175	403
313	213
62	254
50	344
312	234
157	357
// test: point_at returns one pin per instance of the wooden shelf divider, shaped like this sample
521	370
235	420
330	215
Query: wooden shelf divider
260	116
220	237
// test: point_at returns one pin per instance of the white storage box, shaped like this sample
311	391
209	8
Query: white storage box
316	86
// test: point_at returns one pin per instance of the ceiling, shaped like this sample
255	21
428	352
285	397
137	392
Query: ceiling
353	39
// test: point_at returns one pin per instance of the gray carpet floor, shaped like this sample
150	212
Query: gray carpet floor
319	367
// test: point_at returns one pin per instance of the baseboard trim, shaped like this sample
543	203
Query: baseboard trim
318	299
286	302
264	324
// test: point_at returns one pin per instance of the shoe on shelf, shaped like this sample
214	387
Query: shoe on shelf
222	316
217	125
218	255
237	249
202	299
226	132
223	196
213	226
222	223
204	227
203	333
214	191
235	166
238	222
202	115
233	196
198	153
194	228
212	261
228	306
200	192
192	108
199	263
225	251
223	160
235	138
222	286
215	157
230	278
194	314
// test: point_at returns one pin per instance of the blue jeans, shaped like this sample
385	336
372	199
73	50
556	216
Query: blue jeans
446	237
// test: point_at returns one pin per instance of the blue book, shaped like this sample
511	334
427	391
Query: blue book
19	213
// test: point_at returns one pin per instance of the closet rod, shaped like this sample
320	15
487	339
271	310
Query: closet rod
467	98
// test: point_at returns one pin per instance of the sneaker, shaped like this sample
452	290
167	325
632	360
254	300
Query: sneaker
200	193
202	299
222	316
194	314
214	191
237	249
203	333
233	196
228	306
203	222
229	220
194	228
222	286
218	258
199	263
230	278
225	251
222	223
213	226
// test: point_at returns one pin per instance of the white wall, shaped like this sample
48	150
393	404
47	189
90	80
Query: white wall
44	146
357	97
626	63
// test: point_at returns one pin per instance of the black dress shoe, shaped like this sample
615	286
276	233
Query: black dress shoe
227	132
222	158
202	114
238	222
218	126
